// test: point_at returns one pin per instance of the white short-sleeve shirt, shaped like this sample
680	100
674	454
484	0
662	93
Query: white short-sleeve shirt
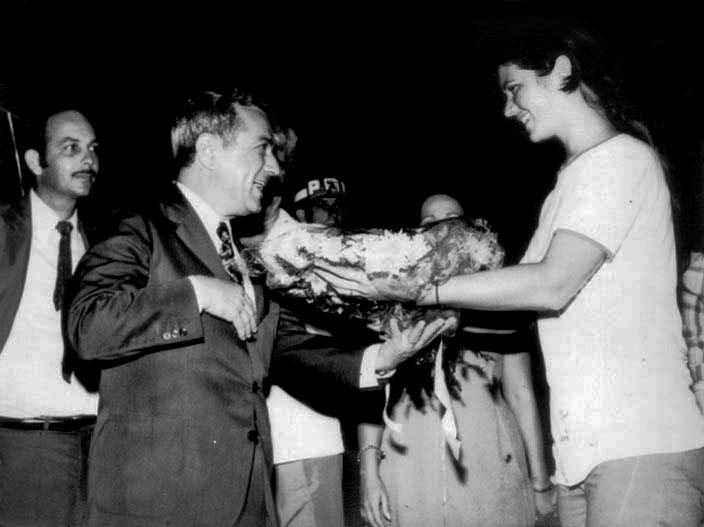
615	357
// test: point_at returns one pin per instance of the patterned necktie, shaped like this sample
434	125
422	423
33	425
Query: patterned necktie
63	269
227	253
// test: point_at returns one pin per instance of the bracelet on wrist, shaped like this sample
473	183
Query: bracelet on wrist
547	488
378	451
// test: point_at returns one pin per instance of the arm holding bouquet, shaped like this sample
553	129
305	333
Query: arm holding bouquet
547	285
360	274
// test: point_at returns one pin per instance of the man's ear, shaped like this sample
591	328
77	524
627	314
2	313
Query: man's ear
206	149
31	157
301	215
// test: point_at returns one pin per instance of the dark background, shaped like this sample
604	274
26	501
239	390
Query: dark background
399	102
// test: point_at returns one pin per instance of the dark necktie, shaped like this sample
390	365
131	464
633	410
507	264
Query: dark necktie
63	269
227	253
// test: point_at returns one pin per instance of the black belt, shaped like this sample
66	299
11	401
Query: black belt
56	424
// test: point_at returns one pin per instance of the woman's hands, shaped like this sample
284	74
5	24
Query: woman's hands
355	283
374	506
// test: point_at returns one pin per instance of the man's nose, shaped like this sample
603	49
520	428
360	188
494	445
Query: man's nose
90	158
272	164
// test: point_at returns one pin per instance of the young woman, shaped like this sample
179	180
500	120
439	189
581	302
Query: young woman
409	477
601	271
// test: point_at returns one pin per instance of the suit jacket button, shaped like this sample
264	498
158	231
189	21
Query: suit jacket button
166	335
253	436
183	332
255	387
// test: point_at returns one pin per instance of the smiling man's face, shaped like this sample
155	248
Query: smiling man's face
245	164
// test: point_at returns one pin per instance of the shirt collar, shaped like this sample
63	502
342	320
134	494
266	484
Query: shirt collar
44	218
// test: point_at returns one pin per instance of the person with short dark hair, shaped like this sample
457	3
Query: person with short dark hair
321	200
166	306
47	409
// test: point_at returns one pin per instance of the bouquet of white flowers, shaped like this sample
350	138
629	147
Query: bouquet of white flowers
407	262
410	261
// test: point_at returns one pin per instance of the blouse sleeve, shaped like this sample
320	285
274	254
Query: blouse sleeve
605	194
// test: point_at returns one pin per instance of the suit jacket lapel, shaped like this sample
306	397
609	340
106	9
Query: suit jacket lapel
83	232
193	233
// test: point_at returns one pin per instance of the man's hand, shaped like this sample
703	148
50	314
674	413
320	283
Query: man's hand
228	301
404	344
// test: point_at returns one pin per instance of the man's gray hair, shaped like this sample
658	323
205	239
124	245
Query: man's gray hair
206	112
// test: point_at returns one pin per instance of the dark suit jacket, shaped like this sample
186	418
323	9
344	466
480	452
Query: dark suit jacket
15	244
15	238
181	404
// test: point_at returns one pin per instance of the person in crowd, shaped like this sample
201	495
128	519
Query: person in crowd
321	200
692	309
491	482
601	272
47	407
184	338
308	444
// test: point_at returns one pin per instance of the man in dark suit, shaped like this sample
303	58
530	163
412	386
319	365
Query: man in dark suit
185	338
46	418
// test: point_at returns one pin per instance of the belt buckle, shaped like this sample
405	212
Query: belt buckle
46	422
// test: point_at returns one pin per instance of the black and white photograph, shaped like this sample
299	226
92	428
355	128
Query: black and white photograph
348	265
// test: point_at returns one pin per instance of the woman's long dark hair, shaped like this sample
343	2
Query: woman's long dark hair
597	70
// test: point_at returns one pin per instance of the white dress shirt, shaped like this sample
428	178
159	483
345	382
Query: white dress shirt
31	381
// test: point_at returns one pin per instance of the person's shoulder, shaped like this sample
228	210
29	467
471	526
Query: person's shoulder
128	220
103	224
621	157
13	211
5	210
630	148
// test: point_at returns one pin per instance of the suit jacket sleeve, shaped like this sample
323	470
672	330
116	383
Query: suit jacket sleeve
117	310
321	370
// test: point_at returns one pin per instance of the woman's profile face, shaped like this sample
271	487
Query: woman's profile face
530	99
